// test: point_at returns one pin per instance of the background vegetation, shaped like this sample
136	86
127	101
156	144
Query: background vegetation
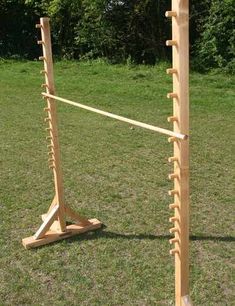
119	30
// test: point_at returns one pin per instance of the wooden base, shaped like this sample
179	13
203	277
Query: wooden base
51	236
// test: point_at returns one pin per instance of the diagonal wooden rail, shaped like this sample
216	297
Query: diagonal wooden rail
120	118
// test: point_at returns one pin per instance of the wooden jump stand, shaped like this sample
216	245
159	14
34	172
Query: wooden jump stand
54	225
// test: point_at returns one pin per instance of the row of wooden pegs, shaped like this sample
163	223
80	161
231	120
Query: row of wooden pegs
50	146
173	176
51	152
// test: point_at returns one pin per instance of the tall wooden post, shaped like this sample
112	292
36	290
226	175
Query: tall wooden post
180	120
54	225
54	150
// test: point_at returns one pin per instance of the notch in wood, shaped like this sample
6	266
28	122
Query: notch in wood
173	176
171	71
172	119
171	43
173	219
172	95
174	230
174	240
174	251
172	139
173	159
173	192
44	86
169	14
173	206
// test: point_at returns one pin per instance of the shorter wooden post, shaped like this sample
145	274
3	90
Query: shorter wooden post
54	225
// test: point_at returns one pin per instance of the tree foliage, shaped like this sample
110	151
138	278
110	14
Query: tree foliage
119	30
216	48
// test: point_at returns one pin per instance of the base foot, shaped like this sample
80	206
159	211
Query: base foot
51	236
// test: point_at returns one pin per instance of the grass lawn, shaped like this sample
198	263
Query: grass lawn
118	175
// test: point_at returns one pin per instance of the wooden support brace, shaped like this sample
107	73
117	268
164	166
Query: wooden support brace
52	236
47	222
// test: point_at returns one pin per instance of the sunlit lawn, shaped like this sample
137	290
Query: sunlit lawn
117	174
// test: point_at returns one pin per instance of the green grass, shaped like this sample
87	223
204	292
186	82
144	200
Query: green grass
118	175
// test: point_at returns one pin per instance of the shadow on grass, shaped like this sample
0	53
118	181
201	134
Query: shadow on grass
102	234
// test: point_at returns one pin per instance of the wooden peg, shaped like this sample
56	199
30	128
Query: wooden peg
174	251
44	85
171	71
38	26
46	109
42	58
172	139
170	14
40	42
172	119
173	192
173	176
50	146
172	95
173	206
174	219
50	153
174	240
43	72
48	138
47	119
51	167
173	230
173	159
170	43
51	159
48	129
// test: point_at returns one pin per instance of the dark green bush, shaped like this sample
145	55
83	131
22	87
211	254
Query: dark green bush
216	48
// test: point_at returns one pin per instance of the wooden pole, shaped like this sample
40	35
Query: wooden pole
55	163
180	73
120	118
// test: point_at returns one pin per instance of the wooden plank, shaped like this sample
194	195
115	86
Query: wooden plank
71	230
52	116
120	118
50	218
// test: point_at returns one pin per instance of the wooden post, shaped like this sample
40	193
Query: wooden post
180	74
54	221
54	160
